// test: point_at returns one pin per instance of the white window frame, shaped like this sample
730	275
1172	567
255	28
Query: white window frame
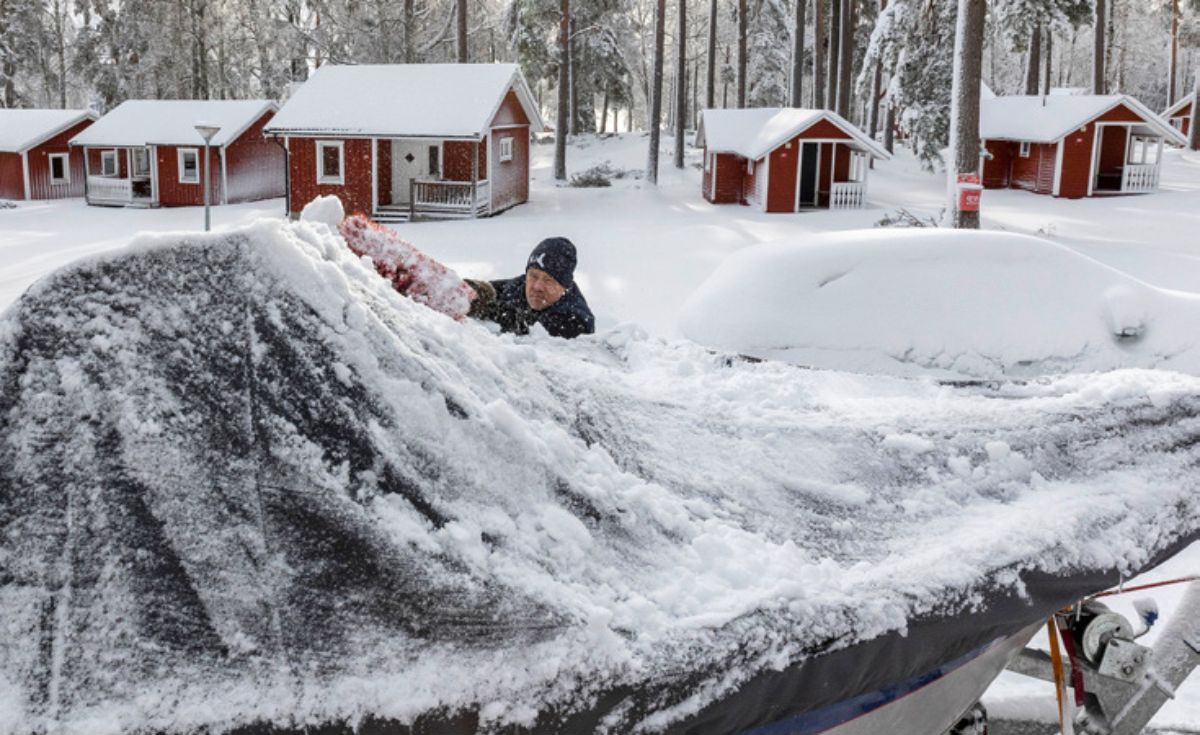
1025	149
146	153
66	167
179	154
506	149
105	157
322	177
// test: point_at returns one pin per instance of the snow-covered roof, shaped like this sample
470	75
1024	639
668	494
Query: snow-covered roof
1179	106
21	130
442	100
172	122
753	133
1047	119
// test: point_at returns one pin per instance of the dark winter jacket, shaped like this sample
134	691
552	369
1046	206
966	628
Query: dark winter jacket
568	317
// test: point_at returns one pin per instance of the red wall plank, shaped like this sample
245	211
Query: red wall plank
355	193
255	165
39	165
781	187
1077	162
12	176
510	179
174	193
996	170
457	163
824	129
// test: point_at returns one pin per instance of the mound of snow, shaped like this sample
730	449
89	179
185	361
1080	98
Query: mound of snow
243	480
920	301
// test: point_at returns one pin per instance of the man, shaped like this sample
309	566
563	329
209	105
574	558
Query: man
545	295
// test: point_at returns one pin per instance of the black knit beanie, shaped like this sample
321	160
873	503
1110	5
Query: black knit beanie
555	256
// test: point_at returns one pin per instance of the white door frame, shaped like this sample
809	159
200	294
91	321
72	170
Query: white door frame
1096	137
800	169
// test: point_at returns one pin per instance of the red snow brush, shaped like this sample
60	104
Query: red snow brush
411	272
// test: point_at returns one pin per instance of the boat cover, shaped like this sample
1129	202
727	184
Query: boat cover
244	483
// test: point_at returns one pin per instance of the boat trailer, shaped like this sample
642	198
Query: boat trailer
1109	683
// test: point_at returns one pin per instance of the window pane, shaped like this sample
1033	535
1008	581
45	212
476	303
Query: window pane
434	160
108	164
190	163
57	170
331	162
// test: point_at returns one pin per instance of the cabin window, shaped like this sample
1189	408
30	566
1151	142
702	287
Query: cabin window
141	162
435	160
60	169
331	162
108	163
189	166
1025	149
506	148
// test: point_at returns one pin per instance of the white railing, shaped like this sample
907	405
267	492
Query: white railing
451	196
847	195
109	189
1138	177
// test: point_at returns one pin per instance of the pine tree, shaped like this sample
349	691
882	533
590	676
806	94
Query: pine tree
560	126
797	86
680	82
656	89
964	114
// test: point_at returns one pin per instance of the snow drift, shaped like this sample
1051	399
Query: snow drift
941	302
242	480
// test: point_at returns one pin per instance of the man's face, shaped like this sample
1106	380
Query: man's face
541	290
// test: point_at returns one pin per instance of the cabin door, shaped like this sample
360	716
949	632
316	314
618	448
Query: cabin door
807	181
412	159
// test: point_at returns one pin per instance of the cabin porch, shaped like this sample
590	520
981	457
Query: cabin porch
429	178
1127	159
119	177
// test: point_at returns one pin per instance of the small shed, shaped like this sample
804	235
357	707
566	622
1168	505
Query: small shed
1072	145
147	153
406	141
36	161
1180	114
785	159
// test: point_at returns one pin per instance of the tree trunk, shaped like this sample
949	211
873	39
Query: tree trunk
889	128
1194	127
604	114
656	89
798	55
561	123
1098	49
845	58
742	53
571	73
681	76
409	46
964	105
819	42
835	37
461	20
725	83
1172	72
1034	66
1049	37
876	93
710	97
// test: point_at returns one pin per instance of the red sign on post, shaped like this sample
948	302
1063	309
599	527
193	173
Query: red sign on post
969	192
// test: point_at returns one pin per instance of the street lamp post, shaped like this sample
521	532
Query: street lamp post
207	131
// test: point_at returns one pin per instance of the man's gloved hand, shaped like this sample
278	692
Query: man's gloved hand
485	294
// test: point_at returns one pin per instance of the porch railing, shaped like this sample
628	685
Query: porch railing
109	189
1139	177
847	195
461	198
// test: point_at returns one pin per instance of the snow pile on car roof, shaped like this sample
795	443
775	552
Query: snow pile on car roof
242	480
941	302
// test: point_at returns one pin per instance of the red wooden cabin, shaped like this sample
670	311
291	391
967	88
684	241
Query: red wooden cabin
1180	114
1072	145
147	153
406	141
36	161
785	159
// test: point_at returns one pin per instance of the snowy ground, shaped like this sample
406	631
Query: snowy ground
643	251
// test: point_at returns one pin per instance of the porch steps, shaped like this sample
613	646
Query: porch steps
391	213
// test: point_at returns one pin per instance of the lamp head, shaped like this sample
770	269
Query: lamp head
207	130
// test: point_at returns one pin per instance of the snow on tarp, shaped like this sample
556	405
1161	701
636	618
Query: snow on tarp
172	122
444	100
1046	119
243	480
943	302
23	129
